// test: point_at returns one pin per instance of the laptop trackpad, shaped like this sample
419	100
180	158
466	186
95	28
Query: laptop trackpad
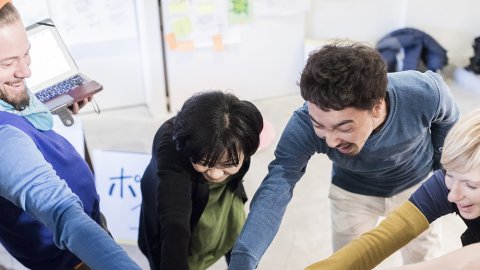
58	102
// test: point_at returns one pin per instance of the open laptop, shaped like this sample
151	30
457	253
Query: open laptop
55	79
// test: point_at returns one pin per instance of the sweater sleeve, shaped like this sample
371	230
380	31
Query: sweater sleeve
297	144
445	117
396	230
30	182
174	204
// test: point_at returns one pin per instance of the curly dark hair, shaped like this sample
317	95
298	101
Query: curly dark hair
341	75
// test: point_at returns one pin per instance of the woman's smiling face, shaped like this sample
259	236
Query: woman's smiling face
220	172
464	192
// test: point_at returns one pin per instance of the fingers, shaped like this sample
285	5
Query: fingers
75	107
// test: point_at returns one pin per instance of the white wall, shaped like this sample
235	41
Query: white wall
360	20
151	51
454	24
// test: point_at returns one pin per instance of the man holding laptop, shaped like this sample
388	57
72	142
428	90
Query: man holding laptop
56	80
48	202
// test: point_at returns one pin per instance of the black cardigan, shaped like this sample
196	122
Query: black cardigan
174	198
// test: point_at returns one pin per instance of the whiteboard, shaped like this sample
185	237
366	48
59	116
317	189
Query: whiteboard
257	59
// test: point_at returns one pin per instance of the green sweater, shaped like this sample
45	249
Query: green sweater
218	227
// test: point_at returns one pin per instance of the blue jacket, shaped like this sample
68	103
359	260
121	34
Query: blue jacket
400	155
417	45
43	223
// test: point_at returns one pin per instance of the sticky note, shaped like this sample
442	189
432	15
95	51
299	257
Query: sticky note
185	45
218	43
206	8
177	7
182	26
171	41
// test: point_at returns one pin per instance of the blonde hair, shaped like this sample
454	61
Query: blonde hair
8	13
461	150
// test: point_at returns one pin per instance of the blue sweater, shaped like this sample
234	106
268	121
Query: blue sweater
401	154
41	218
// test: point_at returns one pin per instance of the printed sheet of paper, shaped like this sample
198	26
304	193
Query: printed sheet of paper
118	177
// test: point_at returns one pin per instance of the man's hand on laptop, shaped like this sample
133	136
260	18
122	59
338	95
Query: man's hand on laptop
75	107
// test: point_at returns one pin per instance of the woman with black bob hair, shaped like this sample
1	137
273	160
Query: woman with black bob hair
193	197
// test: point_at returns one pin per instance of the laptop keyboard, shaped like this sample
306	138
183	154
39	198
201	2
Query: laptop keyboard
60	88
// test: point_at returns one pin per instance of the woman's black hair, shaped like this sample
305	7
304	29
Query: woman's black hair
212	125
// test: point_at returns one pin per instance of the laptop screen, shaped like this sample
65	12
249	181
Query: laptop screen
51	61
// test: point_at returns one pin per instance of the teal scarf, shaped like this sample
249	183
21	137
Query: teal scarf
36	113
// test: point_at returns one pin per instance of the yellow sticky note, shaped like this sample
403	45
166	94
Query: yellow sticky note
177	7
205	8
182	26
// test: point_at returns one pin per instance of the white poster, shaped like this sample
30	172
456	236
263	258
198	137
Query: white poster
88	21
118	177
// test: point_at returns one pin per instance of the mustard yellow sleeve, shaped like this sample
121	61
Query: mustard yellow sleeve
371	248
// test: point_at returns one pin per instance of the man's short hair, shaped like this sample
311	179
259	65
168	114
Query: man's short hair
344	74
8	14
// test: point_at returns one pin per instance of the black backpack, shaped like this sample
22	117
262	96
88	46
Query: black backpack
474	65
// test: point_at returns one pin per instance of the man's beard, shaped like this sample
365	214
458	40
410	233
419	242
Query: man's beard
18	102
